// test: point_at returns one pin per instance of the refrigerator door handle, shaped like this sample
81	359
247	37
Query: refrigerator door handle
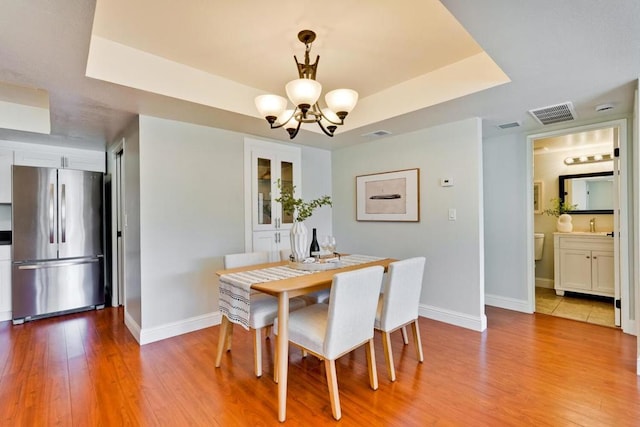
51	214
49	264
63	213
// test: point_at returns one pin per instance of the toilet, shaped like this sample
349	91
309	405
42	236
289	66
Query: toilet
539	245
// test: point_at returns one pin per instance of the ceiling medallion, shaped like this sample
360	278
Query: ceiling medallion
304	93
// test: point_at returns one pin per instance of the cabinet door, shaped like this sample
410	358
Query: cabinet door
45	159
91	161
575	269
6	160
267	168
602	272
271	241
5	290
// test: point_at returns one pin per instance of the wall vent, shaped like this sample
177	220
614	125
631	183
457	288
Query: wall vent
377	133
509	125
554	113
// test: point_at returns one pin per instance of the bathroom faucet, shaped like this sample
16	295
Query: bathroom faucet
592	225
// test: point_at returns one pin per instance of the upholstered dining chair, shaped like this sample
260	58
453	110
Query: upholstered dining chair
398	306
263	307
318	297
329	331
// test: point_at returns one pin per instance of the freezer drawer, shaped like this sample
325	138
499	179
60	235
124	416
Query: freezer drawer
47	287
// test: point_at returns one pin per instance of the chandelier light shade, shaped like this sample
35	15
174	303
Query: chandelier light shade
304	93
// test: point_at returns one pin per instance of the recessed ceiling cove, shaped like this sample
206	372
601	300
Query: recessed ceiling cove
224	54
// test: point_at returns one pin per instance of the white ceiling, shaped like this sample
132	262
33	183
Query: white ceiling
583	51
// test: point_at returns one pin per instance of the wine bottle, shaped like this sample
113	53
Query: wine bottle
314	249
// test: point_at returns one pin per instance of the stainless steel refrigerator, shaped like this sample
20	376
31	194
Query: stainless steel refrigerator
58	259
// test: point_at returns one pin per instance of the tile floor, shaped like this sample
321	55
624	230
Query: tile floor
585	308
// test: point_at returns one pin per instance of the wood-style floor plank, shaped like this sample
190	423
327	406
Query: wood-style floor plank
85	369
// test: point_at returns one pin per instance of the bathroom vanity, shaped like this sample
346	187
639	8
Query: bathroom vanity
584	262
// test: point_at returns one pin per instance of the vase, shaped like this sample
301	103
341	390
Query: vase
564	224
298	237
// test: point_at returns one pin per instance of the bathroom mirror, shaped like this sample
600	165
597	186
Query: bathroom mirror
592	192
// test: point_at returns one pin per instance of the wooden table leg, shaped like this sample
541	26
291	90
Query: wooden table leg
283	353
222	339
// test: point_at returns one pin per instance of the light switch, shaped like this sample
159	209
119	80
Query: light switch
452	214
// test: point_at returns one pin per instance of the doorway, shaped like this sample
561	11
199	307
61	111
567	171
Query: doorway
583	151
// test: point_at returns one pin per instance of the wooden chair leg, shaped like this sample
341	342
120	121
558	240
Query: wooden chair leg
371	362
388	355
257	351
225	325
416	338
275	362
405	337
332	383
268	331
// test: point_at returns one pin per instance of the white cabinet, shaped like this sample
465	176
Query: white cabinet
81	159
5	283
266	163
271	241
584	263
6	160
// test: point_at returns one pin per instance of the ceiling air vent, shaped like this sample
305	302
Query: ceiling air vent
377	133
554	113
509	125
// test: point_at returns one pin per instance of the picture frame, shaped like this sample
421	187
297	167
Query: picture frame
389	196
538	197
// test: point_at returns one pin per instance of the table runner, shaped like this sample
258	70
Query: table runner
235	288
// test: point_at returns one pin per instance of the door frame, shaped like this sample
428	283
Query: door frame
622	251
117	281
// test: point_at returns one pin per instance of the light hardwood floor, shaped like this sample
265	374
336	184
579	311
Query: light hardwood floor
86	370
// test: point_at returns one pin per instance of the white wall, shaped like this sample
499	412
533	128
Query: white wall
192	213
505	221
131	232
453	287
316	182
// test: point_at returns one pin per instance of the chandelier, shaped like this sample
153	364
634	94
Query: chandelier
304	93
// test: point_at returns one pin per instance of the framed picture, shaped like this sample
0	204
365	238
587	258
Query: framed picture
538	197
388	196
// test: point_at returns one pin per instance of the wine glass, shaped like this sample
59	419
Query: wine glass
331	244
325	244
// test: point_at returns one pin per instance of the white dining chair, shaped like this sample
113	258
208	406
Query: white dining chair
329	331
263	307
398	306
318	297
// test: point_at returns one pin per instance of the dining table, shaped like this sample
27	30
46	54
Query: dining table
284	289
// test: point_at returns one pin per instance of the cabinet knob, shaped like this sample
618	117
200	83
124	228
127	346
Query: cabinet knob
595	257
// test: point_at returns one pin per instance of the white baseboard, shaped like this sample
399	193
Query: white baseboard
544	283
453	318
168	330
5	315
132	326
507	303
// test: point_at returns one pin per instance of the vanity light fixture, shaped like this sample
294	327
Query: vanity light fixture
593	158
304	93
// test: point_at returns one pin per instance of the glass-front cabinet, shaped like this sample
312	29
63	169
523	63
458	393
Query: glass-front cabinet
270	163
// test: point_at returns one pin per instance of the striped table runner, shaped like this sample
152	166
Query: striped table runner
235	288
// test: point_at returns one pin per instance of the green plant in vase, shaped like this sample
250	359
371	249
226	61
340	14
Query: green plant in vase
561	209
300	211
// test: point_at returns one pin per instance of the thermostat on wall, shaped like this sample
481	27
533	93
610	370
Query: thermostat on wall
446	182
